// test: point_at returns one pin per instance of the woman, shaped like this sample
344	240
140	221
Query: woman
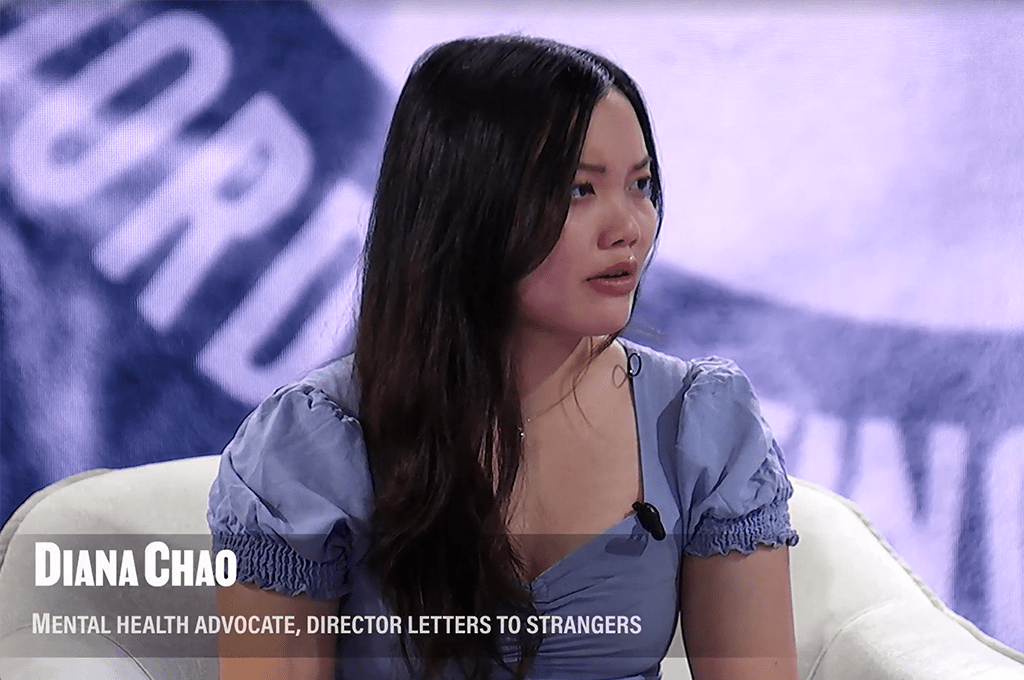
492	449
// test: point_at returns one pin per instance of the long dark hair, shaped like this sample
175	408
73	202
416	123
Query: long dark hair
473	192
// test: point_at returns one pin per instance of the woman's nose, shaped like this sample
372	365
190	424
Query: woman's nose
619	227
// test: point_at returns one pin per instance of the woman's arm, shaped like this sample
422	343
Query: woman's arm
737	615
302	657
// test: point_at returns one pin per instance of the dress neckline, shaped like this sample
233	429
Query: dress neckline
559	566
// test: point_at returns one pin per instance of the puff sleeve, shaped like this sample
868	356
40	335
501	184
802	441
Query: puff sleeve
732	470
293	495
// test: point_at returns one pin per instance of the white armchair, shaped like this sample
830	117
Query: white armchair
860	611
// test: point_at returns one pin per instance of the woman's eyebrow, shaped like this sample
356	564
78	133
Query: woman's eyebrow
589	167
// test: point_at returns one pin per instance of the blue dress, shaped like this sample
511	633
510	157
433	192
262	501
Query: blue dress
293	498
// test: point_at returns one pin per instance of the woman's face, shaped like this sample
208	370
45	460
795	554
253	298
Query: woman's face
585	285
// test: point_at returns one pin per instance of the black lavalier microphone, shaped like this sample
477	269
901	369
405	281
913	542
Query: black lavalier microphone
650	519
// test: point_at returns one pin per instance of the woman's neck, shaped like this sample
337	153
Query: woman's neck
547	366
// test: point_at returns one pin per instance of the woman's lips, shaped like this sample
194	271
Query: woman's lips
613	285
616	280
625	267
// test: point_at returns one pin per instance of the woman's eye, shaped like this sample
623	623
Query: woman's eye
581	190
644	185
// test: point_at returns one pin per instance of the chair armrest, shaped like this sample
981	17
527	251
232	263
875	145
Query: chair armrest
901	641
862	612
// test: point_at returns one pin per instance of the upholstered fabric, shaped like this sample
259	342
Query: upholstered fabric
860	612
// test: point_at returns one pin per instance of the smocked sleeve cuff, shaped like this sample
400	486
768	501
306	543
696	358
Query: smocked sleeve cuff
275	566
768	525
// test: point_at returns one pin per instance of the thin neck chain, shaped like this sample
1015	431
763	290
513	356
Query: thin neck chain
549	408
527	421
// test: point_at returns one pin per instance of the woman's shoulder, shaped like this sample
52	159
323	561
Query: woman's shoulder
336	381
323	401
297	464
329	390
727	468
293	494
307	430
711	391
677	375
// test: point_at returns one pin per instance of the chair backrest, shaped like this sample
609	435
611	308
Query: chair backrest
113	509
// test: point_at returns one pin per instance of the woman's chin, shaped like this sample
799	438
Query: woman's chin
603	322
609	326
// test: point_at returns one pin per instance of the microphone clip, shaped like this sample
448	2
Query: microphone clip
650	519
